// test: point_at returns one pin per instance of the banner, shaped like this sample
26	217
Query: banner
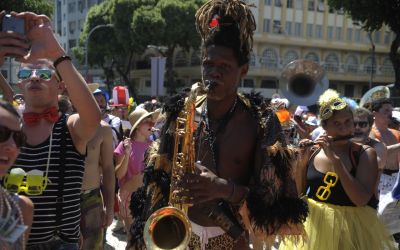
157	75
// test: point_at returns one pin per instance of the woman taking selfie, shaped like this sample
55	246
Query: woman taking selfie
15	211
339	176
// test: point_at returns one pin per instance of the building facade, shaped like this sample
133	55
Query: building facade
293	29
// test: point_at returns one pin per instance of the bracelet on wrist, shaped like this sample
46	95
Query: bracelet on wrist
60	60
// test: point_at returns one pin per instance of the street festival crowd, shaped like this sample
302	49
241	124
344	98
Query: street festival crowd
267	172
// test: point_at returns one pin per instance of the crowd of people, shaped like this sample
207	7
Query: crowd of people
267	173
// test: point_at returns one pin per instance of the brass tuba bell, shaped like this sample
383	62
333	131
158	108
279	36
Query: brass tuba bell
374	94
303	81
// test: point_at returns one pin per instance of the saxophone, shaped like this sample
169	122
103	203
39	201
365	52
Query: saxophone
169	227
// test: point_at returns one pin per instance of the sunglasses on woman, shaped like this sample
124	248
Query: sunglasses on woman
44	74
6	133
361	124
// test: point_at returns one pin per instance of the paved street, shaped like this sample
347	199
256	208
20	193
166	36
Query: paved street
114	241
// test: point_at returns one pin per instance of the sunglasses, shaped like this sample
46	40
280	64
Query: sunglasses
361	124
18	136
31	183
44	74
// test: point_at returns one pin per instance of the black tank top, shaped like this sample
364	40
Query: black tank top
320	184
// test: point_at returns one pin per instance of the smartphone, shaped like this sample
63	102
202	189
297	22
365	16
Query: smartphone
15	24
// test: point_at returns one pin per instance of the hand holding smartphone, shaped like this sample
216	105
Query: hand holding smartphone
13	24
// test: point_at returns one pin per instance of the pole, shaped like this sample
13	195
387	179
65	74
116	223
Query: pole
158	75
87	41
372	59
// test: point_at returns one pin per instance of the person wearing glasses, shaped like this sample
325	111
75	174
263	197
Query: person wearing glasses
339	178
50	166
15	210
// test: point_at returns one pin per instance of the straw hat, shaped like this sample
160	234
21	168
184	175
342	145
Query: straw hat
137	116
93	86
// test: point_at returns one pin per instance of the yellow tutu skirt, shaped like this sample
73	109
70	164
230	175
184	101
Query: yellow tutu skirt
332	227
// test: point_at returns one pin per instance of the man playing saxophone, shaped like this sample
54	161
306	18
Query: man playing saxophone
243	181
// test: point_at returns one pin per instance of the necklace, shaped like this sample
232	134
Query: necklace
211	137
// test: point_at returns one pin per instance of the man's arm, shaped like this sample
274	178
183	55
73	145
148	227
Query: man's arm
8	92
107	164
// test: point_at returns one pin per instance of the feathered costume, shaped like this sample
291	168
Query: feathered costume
272	202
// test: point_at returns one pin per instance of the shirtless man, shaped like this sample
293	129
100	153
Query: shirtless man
382	111
363	121
98	204
234	168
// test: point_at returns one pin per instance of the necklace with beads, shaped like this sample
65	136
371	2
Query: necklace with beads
10	219
210	136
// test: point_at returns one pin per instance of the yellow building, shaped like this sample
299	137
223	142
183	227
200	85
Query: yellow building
294	29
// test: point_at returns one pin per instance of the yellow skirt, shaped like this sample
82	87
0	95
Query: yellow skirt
332	227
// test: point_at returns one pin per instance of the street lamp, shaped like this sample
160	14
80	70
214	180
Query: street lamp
87	41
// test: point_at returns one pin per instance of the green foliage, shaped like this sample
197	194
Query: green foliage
372	13
137	24
36	6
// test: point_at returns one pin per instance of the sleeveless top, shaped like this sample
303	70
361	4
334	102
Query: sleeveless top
44	225
337	194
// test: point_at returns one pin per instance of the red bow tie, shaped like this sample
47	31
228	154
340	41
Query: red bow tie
50	114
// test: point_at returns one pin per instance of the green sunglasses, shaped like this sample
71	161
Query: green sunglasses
44	74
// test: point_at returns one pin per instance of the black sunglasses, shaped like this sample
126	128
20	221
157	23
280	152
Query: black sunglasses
361	124
18	136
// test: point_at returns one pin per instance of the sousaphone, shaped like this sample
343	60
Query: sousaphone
303	81
374	94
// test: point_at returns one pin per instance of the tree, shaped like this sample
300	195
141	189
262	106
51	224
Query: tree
137	24
373	14
37	6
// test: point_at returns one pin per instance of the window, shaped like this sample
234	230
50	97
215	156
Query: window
71	43
352	64
195	58
312	57
364	90
81	5
147	83
288	28
338	33
278	3
277	27
266	25
64	17
270	58
357	35
349	34
268	84
289	4
309	30
71	7
297	29
349	90
318	31
91	3
248	83
72	27
311	4
181	59
267	2
252	59
387	66
291	55
387	37
64	31
299	4
330	32
321	6
332	63
369	65
377	36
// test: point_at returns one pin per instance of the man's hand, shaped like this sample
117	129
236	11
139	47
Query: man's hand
107	217
203	186
43	41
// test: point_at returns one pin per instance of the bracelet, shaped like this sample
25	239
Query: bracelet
61	59
232	193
